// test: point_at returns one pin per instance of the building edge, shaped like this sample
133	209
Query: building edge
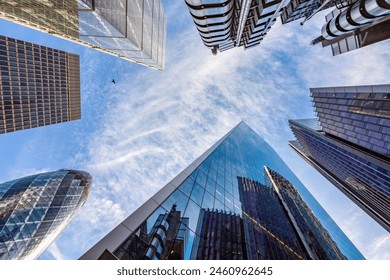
72	39
111	241
338	184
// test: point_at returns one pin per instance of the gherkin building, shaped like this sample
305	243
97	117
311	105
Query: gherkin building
35	209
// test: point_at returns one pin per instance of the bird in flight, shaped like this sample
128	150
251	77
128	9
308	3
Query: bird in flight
113	81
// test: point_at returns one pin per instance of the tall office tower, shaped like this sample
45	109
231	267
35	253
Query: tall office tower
356	24
49	16
229	211
38	85
166	239
35	209
351	147
131	29
224	24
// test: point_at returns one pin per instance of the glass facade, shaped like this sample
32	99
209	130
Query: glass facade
360	115
35	209
131	29
58	16
362	177
228	210
224	24
134	29
38	85
317	240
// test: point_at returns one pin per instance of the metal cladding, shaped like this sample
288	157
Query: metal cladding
224	24
297	9
213	21
360	13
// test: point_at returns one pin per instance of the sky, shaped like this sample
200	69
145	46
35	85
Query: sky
137	134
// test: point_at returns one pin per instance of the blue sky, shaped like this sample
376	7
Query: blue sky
137	134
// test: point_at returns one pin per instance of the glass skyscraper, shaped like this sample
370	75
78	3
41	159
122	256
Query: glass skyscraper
236	201
130	29
349	144
35	209
50	16
224	24
38	85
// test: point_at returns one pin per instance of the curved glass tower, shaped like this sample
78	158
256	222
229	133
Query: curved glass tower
36	208
238	200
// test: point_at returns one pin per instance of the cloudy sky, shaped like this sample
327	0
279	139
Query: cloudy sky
137	134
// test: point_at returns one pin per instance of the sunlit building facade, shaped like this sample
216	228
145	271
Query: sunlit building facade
232	204
224	24
39	86
49	16
350	144
131	29
35	209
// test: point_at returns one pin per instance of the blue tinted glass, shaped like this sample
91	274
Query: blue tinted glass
186	186
250	211
197	194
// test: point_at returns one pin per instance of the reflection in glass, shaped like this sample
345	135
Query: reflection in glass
165	239
257	212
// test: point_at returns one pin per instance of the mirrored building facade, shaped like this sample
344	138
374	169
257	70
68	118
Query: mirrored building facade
349	144
35	209
232	203
38	85
224	24
131	29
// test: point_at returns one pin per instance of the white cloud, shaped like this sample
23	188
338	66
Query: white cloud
55	252
380	248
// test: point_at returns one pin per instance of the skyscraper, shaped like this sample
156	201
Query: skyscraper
350	144
38	85
354	24
35	209
131	29
224	24
229	207
49	16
